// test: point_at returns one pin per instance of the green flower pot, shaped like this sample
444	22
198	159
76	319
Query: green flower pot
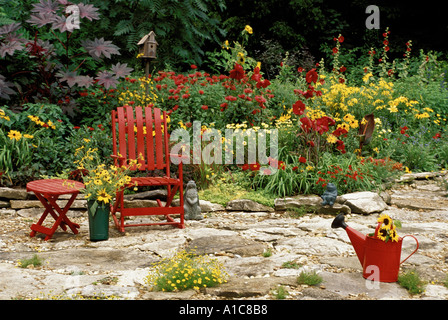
98	213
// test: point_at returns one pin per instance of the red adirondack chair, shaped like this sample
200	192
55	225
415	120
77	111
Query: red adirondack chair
142	134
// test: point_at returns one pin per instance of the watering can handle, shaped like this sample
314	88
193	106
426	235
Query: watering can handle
415	248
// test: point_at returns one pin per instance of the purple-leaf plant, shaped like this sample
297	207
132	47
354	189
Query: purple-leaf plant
63	19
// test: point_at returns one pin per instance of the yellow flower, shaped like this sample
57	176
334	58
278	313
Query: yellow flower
366	77
393	109
241	58
14	135
393	234
248	29
104	196
332	139
386	220
382	233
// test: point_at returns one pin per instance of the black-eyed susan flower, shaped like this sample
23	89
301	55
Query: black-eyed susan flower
383	233
386	221
14	135
104	196
393	234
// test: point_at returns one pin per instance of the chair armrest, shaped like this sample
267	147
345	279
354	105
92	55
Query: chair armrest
117	159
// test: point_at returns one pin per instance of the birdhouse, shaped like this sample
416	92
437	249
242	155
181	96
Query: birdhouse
148	46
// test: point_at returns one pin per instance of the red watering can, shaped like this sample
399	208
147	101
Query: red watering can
380	260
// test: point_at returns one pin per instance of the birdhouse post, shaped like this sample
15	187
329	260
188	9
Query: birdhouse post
147	51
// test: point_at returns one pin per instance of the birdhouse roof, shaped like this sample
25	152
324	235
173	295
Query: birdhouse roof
151	37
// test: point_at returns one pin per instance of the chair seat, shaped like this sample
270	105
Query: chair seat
154	181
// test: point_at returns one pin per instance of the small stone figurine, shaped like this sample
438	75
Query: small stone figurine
192	210
329	195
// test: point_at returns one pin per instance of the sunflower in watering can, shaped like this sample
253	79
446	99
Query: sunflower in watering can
388	229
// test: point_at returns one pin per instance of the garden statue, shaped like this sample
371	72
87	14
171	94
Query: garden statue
329	195
192	210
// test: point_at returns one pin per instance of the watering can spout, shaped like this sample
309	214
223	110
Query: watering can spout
356	238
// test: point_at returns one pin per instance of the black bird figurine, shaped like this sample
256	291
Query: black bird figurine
329	196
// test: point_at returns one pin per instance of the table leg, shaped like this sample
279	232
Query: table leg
62	220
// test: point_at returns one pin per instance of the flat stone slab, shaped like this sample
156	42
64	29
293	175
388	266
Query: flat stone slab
230	244
242	287
365	202
10	193
247	205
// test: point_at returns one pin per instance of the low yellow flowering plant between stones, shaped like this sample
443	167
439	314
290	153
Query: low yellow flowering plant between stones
184	271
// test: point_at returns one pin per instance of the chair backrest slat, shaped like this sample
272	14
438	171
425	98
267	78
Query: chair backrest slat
158	135
122	150
141	127
141	132
130	130
149	139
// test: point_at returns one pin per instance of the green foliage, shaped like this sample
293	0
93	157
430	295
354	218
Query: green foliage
280	293
34	261
309	278
49	60
182	27
411	281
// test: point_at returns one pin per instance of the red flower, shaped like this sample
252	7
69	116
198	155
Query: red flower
254	167
311	76
342	69
341	39
263	84
403	129
298	108
256	76
339	131
245	167
322	124
230	98
300	69
281	165
204	107
320	180
193	66
302	159
307	124
437	135
237	72
201	91
335	50
341	146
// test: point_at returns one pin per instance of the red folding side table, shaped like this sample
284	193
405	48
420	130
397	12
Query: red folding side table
48	192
